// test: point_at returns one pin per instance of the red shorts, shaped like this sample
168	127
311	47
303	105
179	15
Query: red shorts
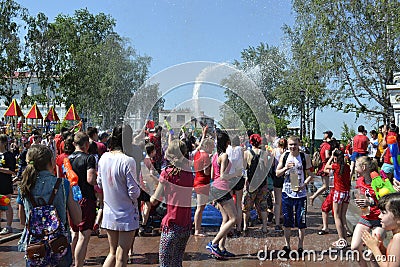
88	208
327	206
341	197
98	190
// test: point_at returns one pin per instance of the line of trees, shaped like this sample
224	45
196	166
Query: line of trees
341	54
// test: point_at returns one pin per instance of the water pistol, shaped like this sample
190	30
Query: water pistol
381	187
73	180
171	131
4	202
394	151
269	148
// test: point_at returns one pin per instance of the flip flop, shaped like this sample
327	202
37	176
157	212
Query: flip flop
323	232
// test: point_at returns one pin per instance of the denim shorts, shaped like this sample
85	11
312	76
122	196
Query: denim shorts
370	223
300	207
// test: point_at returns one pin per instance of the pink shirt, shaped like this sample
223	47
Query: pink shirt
178	196
220	183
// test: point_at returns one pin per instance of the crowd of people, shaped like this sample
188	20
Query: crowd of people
125	176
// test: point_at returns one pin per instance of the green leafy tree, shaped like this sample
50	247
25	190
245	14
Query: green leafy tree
98	69
265	66
347	133
42	54
359	41
11	59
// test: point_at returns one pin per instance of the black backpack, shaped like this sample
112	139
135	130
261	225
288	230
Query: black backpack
256	170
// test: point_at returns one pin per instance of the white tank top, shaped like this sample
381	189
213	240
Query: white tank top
287	185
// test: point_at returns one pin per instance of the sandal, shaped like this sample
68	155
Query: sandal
323	232
339	244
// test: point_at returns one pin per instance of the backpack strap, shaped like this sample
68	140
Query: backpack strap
303	161
53	195
253	155
285	156
55	189
252	152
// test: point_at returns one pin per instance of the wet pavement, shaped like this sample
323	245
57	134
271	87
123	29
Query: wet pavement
246	247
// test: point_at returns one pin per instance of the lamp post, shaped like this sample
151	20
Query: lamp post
302	121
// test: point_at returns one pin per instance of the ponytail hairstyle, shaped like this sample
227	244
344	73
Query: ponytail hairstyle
222	142
340	160
38	158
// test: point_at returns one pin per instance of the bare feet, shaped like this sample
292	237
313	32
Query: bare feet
199	234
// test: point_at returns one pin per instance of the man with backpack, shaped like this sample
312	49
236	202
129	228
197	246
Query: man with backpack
295	167
84	165
256	191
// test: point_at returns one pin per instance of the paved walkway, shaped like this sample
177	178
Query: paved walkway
246	248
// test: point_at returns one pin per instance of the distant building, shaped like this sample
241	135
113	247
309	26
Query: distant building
184	117
26	80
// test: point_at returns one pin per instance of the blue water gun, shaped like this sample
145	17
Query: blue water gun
394	151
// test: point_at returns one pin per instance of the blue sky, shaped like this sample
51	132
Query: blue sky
174	32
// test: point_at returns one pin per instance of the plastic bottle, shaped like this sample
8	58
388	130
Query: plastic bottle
76	193
73	180
294	179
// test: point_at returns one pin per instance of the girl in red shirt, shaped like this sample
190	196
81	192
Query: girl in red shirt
370	219
341	197
202	167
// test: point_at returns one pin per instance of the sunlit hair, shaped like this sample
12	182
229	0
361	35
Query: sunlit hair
80	139
38	158
208	142
370	164
175	152
391	202
294	138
